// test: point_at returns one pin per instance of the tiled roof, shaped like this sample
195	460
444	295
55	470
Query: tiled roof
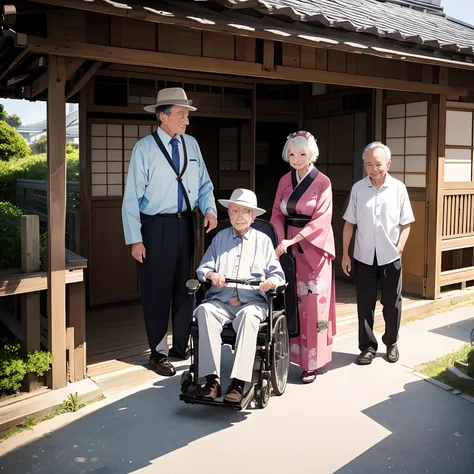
408	21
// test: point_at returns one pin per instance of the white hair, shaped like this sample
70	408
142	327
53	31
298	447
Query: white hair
385	148
309	144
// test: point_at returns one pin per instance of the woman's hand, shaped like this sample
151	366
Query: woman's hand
283	247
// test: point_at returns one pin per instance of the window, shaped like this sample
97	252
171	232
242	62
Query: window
459	146
111	150
406	136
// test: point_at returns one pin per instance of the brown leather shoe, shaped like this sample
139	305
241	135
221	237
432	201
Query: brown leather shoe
235	392
162	366
211	390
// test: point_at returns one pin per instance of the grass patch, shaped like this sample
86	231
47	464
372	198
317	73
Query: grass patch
71	404
436	369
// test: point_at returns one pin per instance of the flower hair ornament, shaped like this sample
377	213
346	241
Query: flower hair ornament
303	134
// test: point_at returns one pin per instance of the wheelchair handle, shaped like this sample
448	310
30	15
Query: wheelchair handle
250	282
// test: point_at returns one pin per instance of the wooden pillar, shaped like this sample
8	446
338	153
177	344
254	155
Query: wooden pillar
30	302
378	115
57	219
254	137
435	189
77	326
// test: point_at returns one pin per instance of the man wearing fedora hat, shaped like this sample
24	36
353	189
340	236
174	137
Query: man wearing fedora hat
167	179
238	252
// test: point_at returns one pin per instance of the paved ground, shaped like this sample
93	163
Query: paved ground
376	419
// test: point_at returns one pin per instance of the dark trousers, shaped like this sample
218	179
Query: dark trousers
169	245
367	278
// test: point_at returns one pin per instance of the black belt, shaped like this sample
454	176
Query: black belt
297	221
178	215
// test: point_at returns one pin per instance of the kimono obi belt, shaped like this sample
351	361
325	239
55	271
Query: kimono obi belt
297	220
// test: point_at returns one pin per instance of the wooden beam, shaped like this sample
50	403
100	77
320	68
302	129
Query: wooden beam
333	40
56	194
86	77
456	244
21	283
456	276
41	84
226	66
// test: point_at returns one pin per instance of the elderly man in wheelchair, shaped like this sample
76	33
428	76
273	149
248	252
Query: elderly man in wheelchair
239	256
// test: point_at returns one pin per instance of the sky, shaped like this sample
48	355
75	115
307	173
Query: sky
31	112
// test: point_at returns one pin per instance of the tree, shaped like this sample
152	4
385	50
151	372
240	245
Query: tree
13	120
3	114
12	144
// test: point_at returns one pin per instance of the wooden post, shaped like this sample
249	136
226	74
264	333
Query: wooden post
30	302
254	137
57	218
77	324
378	117
440	196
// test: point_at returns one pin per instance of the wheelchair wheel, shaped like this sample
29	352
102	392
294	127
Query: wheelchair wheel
472	338
280	363
264	389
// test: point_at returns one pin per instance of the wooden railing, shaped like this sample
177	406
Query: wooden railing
457	230
31	197
29	326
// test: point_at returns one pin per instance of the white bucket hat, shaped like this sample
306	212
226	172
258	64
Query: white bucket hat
171	96
244	197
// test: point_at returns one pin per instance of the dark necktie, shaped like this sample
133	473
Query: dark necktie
175	157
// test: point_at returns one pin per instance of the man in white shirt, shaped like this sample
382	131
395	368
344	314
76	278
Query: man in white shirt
380	207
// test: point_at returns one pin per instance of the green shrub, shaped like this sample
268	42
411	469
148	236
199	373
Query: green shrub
14	367
32	167
10	235
12	144
470	363
39	146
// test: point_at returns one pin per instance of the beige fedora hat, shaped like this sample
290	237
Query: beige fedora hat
171	96
245	198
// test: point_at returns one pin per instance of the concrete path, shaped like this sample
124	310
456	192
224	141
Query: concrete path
376	419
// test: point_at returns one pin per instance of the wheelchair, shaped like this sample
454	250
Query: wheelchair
272	356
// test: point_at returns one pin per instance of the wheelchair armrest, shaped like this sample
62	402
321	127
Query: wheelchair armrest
277	291
193	286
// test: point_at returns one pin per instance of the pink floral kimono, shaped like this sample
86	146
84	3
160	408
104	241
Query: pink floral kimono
311	197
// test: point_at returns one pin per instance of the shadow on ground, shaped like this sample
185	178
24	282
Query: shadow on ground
460	330
432	431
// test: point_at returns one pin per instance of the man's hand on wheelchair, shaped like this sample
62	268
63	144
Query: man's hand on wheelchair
217	279
266	285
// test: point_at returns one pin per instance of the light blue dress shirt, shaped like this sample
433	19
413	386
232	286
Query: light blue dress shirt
152	187
250	256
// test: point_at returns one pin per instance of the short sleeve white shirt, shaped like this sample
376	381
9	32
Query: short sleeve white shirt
378	215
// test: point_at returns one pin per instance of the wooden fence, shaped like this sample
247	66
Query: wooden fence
457	230
31	197
28	324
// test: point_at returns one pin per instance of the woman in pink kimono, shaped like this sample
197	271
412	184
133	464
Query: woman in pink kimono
302	215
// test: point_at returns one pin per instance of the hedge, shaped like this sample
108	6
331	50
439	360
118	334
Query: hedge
31	167
10	235
12	144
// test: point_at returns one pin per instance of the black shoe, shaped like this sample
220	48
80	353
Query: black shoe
161	365
235	392
392	353
366	357
174	355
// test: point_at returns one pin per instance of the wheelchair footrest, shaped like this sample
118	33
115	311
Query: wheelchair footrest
189	397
